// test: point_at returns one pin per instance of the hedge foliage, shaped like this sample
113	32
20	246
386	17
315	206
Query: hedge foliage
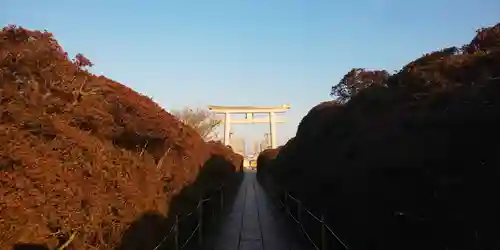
408	160
80	153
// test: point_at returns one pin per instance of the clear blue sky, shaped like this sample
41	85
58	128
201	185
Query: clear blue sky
254	52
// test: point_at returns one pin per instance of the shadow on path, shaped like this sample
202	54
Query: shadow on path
254	224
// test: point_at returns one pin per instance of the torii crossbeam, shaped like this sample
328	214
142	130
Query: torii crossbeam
249	111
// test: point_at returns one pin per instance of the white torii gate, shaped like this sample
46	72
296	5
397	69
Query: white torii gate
249	111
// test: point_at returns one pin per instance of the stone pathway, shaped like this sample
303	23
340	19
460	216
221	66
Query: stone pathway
253	224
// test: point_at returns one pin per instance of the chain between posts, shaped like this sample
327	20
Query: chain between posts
298	218
174	230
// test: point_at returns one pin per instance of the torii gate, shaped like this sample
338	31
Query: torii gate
249	111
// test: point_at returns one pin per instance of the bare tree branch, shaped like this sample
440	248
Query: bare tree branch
202	120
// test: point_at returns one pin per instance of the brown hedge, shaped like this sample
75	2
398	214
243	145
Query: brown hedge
265	159
82	153
407	161
217	148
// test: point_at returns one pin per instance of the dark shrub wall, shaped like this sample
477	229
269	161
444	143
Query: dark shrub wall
406	161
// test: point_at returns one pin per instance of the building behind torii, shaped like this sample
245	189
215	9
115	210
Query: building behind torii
249	112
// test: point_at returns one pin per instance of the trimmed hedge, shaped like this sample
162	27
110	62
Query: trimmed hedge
409	160
83	153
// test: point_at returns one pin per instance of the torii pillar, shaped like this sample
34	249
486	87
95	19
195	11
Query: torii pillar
249	111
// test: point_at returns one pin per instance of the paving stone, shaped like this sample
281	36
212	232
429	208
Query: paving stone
253	224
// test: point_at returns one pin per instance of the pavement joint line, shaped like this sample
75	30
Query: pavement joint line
245	181
258	214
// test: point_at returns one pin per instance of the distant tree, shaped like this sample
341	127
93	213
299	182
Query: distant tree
81	61
202	120
356	80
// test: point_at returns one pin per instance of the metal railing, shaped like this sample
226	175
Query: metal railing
324	230
298	218
174	231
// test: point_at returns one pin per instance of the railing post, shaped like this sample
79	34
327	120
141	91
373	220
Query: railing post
212	207
200	221
323	233
176	232
221	198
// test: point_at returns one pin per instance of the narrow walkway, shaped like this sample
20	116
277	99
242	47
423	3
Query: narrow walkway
253	224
